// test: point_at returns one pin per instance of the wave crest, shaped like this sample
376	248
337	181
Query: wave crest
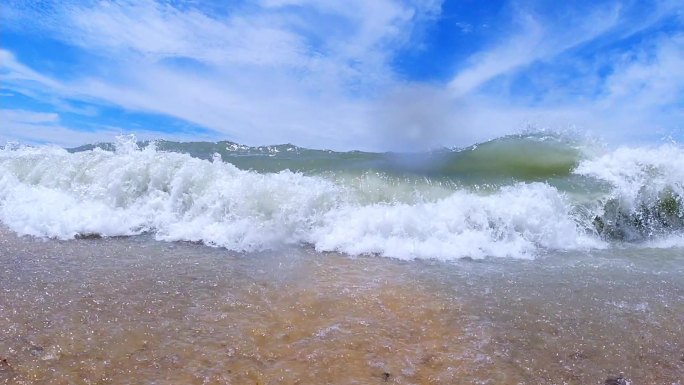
647	192
55	193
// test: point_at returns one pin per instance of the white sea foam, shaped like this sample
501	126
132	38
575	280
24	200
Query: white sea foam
515	222
670	241
639	175
50	192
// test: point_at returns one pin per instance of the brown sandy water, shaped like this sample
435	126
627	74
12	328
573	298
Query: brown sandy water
137	311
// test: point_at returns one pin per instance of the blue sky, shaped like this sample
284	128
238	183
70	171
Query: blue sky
355	74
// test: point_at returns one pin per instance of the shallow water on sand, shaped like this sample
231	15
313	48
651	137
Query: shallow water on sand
137	311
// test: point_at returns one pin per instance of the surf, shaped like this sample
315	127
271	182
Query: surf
515	197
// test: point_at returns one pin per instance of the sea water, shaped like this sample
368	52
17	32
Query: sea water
528	259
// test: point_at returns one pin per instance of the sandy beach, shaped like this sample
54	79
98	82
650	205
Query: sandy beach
138	311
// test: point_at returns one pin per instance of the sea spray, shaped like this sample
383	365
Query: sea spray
646	199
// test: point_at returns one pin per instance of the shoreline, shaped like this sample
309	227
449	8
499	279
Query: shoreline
117	309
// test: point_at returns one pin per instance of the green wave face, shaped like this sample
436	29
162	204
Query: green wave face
519	158
524	158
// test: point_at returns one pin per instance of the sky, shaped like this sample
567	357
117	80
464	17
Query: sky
354	74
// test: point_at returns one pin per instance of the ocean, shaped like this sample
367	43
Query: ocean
527	259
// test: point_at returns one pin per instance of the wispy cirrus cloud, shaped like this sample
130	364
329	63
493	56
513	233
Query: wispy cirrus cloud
610	71
535	41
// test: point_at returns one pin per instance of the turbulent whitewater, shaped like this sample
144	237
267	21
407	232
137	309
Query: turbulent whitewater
517	196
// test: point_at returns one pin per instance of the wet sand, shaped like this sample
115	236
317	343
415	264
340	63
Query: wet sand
137	311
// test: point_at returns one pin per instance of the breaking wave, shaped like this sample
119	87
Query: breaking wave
126	189
531	157
646	198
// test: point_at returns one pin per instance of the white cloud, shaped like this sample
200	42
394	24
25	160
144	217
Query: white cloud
262	76
156	30
649	78
319	73
39	127
16	73
640	99
32	127
27	117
